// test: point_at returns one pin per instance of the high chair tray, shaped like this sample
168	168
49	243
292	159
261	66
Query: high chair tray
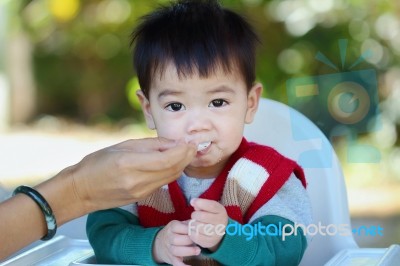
60	251
90	260
367	257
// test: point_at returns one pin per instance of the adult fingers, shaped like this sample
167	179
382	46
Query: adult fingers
179	156
146	144
173	160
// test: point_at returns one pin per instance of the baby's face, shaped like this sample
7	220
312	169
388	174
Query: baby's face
210	111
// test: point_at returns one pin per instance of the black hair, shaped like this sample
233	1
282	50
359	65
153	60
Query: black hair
198	37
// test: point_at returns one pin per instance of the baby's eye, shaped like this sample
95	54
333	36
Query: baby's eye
174	107
218	103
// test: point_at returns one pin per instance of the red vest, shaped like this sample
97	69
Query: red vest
252	176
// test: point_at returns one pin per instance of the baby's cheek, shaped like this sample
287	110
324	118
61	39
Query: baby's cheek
232	141
169	134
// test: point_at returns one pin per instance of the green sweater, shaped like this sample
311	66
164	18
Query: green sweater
117	238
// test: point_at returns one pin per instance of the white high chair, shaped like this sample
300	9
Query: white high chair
288	131
295	136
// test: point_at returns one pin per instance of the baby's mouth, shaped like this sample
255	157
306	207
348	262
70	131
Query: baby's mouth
204	145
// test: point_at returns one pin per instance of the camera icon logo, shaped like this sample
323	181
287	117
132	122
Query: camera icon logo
348	103
340	104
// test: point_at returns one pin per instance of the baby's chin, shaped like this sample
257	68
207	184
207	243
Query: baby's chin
200	163
205	168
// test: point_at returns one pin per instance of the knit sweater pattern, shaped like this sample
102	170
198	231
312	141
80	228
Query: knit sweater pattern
251	177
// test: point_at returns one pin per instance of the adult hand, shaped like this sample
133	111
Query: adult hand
209	220
129	171
172	244
107	178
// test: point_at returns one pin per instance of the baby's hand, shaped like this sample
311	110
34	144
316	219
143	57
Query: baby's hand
173	243
209	220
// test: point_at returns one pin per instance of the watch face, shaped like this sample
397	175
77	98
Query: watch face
348	102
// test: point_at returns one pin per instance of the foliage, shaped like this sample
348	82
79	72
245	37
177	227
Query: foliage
84	46
82	58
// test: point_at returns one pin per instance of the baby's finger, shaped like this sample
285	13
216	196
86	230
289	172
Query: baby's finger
207	229
207	217
181	240
184	251
178	227
178	261
207	205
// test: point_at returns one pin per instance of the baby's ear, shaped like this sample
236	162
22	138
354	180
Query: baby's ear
145	103
253	98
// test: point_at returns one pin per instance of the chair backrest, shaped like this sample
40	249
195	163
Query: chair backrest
295	136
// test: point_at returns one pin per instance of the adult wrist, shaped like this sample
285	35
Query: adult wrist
60	193
44	206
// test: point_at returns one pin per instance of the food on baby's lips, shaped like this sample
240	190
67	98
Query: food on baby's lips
203	142
203	145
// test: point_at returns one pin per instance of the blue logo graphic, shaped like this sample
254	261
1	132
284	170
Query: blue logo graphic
340	104
249	231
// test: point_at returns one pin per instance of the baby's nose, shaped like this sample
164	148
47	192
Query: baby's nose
198	123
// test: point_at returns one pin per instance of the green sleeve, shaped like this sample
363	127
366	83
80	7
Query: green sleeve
117	238
259	245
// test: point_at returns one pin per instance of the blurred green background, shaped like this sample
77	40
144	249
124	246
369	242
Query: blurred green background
66	65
